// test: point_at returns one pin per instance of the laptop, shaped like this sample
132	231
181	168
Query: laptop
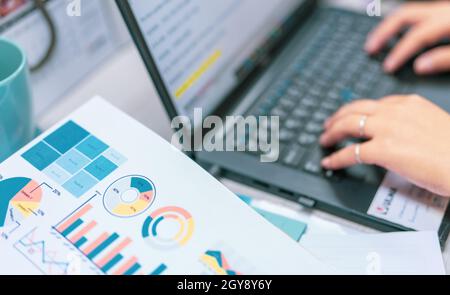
296	59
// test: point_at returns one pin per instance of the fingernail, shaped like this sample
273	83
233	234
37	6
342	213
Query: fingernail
424	65
322	140
326	162
389	65
370	45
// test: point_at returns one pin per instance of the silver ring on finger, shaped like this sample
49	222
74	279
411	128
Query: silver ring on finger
358	154
362	126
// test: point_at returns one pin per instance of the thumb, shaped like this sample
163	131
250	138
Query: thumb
434	61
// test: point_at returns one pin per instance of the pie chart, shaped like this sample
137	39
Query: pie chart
168	227
20	198
129	196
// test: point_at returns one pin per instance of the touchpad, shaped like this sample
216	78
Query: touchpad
436	89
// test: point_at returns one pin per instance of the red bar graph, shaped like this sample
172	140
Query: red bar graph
83	231
114	252
74	218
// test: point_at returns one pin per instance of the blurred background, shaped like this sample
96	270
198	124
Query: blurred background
76	57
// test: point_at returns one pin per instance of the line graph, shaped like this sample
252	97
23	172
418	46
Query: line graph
36	251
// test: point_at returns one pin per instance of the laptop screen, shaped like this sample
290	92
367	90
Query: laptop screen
203	49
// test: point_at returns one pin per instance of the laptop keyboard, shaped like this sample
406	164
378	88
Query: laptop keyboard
330	71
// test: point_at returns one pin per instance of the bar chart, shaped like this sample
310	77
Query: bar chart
109	251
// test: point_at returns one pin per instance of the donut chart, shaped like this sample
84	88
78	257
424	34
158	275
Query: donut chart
20	197
129	196
168	227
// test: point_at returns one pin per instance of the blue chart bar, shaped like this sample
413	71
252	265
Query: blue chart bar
72	227
111	263
133	269
159	270
103	246
80	242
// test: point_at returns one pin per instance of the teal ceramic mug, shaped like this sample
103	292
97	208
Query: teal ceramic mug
16	112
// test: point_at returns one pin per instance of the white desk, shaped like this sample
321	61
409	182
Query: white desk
124	81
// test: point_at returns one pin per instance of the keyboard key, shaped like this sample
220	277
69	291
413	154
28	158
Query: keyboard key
278	112
294	91
330	105
293	124
329	173
300	113
287	103
286	135
306	139
310	102
294	155
314	159
313	127
320	117
316	92
312	167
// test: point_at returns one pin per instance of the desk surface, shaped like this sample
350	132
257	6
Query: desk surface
124	81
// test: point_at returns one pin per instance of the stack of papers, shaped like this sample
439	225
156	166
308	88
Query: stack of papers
100	194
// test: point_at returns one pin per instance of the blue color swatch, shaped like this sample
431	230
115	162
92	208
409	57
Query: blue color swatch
74	158
41	156
101	168
72	161
66	137
80	184
293	228
92	147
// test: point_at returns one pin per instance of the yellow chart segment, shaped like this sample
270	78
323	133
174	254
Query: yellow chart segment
204	67
189	231
127	209
26	208
28	200
213	264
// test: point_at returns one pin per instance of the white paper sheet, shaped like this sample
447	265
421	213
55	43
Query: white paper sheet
401	202
402	253
183	220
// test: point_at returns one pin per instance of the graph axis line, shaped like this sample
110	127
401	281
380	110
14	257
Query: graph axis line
26	257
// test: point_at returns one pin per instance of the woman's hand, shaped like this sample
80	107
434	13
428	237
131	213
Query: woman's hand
408	135
430	23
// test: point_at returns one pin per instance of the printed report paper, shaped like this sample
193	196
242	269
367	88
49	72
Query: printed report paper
401	202
100	194
402	253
